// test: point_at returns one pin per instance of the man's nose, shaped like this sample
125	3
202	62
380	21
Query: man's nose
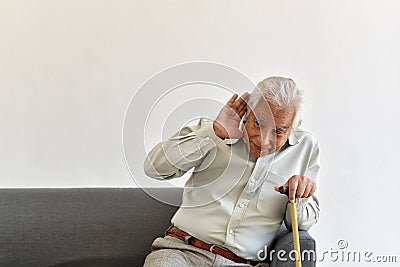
267	139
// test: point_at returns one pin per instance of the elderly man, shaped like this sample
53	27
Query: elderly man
231	208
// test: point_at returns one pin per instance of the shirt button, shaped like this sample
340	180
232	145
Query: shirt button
241	205
207	139
231	231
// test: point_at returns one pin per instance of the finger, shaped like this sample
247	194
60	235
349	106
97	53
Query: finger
301	187
241	100
241	114
276	187
241	108
245	96
244	109
237	103
292	190
307	191
231	101
313	189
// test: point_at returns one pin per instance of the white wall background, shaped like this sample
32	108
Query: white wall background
69	68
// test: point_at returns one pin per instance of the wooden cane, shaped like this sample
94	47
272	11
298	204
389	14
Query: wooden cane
295	228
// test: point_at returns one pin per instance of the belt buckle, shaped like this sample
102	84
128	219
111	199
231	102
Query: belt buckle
212	248
187	238
218	246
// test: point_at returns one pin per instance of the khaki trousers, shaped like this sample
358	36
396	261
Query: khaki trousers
172	252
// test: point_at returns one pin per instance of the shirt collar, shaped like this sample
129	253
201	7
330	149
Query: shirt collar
293	139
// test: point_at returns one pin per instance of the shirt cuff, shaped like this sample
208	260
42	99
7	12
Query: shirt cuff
302	201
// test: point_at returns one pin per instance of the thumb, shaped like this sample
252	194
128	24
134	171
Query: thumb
276	187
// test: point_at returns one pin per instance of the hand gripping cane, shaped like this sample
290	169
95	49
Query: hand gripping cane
295	229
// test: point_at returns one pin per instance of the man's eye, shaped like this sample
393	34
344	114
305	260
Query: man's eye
279	132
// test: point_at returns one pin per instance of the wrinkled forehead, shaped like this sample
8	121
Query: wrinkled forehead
265	110
262	109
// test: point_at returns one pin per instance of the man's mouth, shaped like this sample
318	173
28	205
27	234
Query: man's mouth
259	148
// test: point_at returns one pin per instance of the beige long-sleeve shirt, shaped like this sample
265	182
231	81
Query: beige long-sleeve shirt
218	205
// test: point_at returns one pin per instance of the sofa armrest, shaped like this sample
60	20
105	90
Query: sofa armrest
280	250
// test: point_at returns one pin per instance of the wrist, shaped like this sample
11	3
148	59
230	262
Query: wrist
217	130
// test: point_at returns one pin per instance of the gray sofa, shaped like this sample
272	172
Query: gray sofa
91	227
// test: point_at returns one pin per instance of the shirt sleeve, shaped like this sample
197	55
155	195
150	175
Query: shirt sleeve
307	208
181	152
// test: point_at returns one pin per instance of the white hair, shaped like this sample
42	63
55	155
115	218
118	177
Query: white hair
280	92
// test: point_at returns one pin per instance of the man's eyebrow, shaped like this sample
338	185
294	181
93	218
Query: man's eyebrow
280	127
260	118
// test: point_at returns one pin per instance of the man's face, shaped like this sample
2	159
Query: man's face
267	128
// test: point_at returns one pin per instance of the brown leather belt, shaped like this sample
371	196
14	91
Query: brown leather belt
190	240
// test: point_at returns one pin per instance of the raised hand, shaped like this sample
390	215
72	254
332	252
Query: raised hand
226	125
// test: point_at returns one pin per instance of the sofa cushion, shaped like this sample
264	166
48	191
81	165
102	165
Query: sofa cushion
112	226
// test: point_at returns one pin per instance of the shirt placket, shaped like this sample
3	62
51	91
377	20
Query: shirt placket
238	214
